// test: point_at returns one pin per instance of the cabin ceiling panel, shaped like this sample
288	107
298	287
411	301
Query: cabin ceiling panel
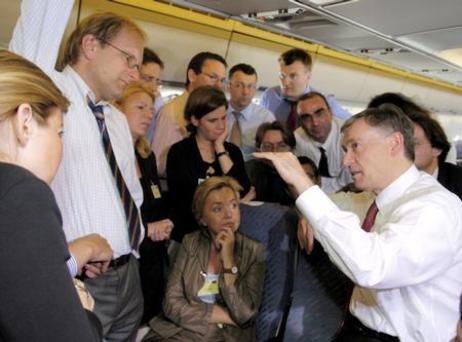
238	7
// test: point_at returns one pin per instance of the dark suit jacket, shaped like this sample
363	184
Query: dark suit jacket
186	317
38	301
153	254
450	176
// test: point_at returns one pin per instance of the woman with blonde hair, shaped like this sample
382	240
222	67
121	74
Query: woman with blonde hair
214	290
137	103
37	296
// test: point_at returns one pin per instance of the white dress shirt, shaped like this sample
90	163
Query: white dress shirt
251	117
408	269
84	187
306	146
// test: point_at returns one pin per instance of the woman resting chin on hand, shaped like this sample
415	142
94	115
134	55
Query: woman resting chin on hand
214	290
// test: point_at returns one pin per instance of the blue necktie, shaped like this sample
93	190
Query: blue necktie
131	212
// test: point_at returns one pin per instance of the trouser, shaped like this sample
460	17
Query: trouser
118	300
354	331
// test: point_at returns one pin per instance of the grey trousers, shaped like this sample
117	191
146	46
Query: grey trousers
118	301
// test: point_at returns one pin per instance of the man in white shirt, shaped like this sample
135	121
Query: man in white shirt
101	57
432	146
205	68
318	134
407	268
242	87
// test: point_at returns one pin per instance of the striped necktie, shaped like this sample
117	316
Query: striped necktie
131	212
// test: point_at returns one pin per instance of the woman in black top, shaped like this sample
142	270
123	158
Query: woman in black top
137	103
203	154
38	299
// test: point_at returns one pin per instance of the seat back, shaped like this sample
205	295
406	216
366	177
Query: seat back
275	226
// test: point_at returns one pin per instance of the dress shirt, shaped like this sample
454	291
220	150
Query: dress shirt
273	100
407	269
251	117
84	186
72	265
170	128
306	146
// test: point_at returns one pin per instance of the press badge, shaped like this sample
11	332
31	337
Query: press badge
155	191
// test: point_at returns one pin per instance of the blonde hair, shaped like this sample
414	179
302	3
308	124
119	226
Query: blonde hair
23	82
103	26
206	187
142	144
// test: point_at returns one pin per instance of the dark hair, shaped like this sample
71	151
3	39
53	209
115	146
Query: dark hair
245	68
388	116
150	56
434	133
294	55
305	160
197	62
313	94
202	101
287	135
399	100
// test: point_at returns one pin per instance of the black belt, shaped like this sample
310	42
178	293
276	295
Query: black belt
120	261
352	325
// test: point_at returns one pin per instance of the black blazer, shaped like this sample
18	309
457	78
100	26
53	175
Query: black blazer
153	254
450	176
185	169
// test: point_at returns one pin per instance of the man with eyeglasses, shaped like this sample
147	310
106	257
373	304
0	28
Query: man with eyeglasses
319	138
102	56
294	74
150	72
244	116
205	68
269	186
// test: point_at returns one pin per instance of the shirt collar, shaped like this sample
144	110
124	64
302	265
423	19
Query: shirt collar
398	187
279	92
83	88
244	112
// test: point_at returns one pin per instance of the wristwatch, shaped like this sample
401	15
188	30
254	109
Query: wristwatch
232	270
222	153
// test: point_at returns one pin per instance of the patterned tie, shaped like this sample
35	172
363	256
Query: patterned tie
292	118
131	212
236	134
323	166
370	217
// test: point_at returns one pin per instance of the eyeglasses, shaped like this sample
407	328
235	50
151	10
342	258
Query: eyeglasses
214	77
132	62
240	85
290	77
277	147
151	79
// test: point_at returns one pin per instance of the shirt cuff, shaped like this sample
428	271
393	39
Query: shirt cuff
72	266
313	203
